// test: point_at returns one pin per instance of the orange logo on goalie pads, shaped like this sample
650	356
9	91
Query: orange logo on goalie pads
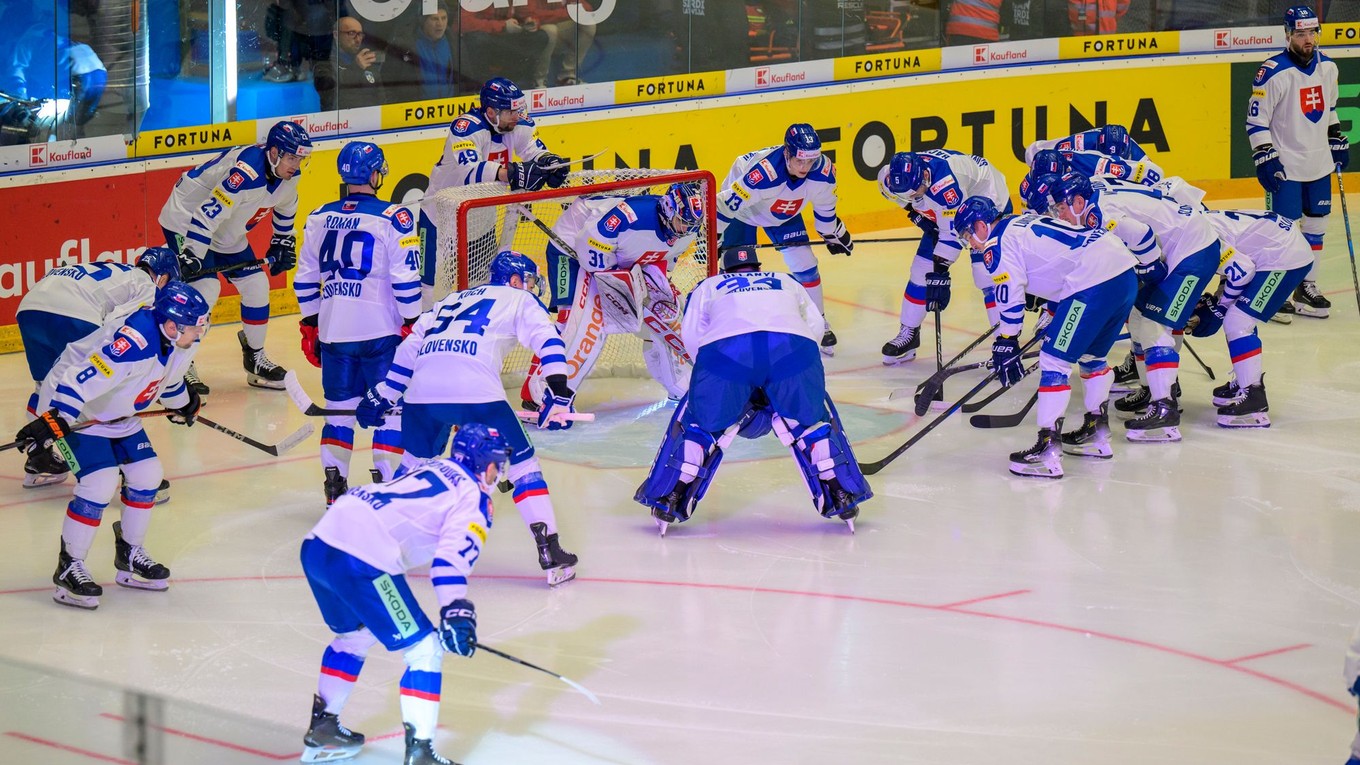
592	335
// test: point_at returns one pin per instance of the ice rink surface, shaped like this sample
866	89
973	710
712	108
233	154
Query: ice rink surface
1188	603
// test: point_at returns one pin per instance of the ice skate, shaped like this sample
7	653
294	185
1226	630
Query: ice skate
334	486
1248	410
163	492
828	342
1137	401
420	751
191	379
1092	439
327	740
1159	424
1125	376
1285	315
1044	459
260	371
902	348
136	569
44	467
75	586
560	564
839	503
1308	301
1227	393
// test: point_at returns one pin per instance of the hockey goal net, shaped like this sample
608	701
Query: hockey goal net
476	222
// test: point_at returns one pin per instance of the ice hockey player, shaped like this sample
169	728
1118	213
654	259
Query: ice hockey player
753	336
356	560
1093	163
767	189
107	377
1297	143
1177	251
1351	674
448	371
498	141
358	287
930	186
1267	257
206	219
622	250
1110	140
1088	278
69	303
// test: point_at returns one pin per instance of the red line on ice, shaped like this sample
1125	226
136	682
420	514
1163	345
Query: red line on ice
65	748
1264	654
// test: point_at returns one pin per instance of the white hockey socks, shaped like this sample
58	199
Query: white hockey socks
531	494
254	291
340	667
1096	385
420	686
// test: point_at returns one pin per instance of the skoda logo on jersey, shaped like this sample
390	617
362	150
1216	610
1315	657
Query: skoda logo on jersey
786	208
1311	103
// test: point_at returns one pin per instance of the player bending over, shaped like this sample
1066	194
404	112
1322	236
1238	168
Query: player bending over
358	286
108	377
1268	258
206	219
69	303
753	335
1110	140
1088	278
448	374
767	189
356	559
621	251
930	186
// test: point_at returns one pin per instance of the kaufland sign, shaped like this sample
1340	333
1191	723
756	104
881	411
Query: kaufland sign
1228	39
769	78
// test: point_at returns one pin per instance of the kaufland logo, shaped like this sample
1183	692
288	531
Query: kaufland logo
979	54
37	155
540	100
1224	38
320	126
40	155
983	54
768	79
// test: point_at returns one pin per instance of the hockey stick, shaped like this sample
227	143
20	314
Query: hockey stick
273	450
978	406
951	371
579	688
570	162
925	391
872	468
1350	243
1207	369
782	245
92	423
308	407
528	215
1004	420
937	397
262	263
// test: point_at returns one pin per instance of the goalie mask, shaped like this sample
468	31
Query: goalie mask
681	209
508	264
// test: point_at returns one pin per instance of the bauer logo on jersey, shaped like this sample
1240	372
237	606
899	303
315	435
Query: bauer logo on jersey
1311	103
786	208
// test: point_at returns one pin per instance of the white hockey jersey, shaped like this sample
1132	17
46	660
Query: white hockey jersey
93	292
953	178
728	305
1092	163
359	269
1292	107
433	516
114	373
1087	140
610	233
216	203
760	192
1044	257
1133	211
474	151
1257	240
455	350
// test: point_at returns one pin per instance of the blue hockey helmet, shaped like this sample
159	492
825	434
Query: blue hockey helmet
802	142
1074	185
906	173
1300	18
972	210
501	94
508	263
357	162
182	304
681	204
1114	141
160	261
289	138
1037	191
1048	161
477	447
739	258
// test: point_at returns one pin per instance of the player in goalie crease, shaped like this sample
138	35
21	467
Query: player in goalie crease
617	251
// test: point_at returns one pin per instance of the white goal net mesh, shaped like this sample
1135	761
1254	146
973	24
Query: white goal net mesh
476	222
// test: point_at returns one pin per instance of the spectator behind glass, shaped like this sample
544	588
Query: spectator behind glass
1096	17
1034	19
308	26
972	22
351	78
421	66
568	42
74	77
502	42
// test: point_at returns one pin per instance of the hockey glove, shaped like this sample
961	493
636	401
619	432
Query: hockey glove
1269	169
1210	314
190	260
372	410
1340	146
185	415
554	167
937	288
42	432
1006	360
1150	273
1045	319
458	627
310	346
1034	303
922	222
838	242
282	255
556	402
406	327
525	176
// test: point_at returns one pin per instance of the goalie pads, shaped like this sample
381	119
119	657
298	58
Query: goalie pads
827	463
664	351
620	294
682	470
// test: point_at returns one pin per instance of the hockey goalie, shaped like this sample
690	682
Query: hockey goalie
616	253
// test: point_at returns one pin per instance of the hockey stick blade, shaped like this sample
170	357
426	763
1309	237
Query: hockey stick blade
1003	420
978	406
527	416
579	688
1207	369
275	450
299	396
